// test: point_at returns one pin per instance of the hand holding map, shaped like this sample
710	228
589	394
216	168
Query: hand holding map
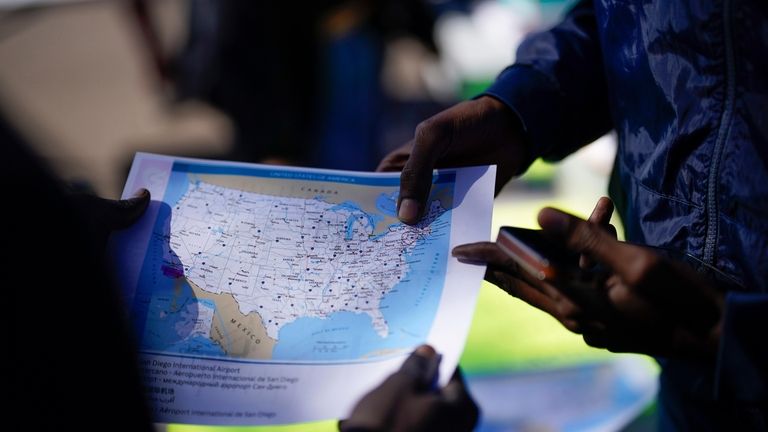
255	291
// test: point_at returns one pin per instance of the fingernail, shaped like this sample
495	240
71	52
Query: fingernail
554	221
425	351
458	252
141	193
465	255
425	365
420	364
409	210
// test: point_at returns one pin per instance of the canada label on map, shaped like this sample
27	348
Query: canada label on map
250	280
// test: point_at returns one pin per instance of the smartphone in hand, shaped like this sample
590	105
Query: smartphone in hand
548	260
535	253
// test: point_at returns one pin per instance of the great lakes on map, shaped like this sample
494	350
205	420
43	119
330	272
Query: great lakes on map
269	268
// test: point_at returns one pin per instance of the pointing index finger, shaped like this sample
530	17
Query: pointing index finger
416	178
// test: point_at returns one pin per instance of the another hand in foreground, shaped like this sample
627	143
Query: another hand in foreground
407	401
103	216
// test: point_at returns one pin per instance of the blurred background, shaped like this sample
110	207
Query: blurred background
333	84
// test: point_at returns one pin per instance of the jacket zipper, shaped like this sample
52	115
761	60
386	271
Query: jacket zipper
713	219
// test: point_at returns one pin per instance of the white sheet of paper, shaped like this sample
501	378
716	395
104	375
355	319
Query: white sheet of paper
270	295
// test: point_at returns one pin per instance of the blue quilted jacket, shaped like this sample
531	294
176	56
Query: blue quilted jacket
685	86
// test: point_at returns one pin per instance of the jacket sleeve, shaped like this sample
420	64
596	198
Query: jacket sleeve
742	369
557	86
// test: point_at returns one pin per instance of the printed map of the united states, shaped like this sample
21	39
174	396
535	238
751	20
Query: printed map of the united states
258	262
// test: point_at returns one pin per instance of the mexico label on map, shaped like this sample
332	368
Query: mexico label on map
271	295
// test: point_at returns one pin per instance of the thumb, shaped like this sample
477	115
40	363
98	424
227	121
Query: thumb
375	410
124	213
601	215
422	367
587	238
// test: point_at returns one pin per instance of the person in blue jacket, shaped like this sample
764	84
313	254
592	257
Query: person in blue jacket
685	86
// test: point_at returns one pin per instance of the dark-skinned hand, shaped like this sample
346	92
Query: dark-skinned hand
477	132
407	401
653	305
103	216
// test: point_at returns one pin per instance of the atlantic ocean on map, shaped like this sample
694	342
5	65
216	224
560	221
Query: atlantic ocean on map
269	269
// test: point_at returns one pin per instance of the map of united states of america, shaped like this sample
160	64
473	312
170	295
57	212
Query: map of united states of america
287	258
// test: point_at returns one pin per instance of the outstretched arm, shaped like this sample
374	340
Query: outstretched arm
551	102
